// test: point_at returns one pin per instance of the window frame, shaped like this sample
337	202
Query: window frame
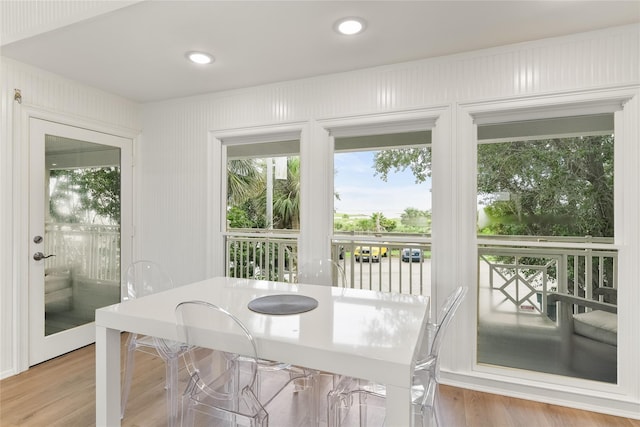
217	172
624	103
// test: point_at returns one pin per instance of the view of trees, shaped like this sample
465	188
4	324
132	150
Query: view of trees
555	187
377	223
550	187
247	195
412	220
89	196
417	159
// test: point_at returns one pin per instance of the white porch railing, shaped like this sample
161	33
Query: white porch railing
389	273
262	256
274	256
525	275
90	250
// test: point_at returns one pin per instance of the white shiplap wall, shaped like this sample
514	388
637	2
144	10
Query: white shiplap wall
174	162
57	99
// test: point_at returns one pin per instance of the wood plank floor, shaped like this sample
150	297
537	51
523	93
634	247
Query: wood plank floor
61	392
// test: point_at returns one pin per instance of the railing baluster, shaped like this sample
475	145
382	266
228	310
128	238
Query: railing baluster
280	250
588	274
576	275
600	271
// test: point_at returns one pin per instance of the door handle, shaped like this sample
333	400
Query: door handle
39	255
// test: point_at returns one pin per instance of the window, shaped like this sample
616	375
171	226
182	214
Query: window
262	209
545	209
382	210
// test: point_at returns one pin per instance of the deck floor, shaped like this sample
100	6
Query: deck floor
525	339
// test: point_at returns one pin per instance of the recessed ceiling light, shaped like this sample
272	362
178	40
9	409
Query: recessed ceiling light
200	58
350	26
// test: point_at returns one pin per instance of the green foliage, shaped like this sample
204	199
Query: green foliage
238	218
244	179
254	216
381	223
247	190
376	223
286	198
85	195
558	187
365	224
399	159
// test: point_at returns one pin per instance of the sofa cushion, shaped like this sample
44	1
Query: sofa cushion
598	325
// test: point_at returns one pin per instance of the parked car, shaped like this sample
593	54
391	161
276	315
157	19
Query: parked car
412	255
370	253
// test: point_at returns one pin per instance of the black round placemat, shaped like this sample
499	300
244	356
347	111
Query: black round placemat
283	304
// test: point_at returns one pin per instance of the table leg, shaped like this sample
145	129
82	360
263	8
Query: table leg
398	406
107	377
172	391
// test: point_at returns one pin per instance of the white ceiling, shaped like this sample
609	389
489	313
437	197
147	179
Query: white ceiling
138	51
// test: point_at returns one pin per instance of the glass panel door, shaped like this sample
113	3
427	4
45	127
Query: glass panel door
75	234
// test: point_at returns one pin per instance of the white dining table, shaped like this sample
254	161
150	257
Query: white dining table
359	333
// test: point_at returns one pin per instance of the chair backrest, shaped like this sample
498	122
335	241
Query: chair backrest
146	278
447	312
321	272
223	375
427	367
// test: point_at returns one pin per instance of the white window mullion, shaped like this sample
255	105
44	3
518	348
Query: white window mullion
316	189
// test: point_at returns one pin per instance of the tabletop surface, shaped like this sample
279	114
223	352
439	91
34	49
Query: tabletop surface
351	331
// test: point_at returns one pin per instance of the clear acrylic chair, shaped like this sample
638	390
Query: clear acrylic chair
304	381
325	272
146	278
223	384
368	395
321	272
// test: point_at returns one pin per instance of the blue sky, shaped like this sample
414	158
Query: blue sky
363	193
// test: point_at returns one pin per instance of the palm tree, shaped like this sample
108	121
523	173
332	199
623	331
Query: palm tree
246	184
286	197
245	179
